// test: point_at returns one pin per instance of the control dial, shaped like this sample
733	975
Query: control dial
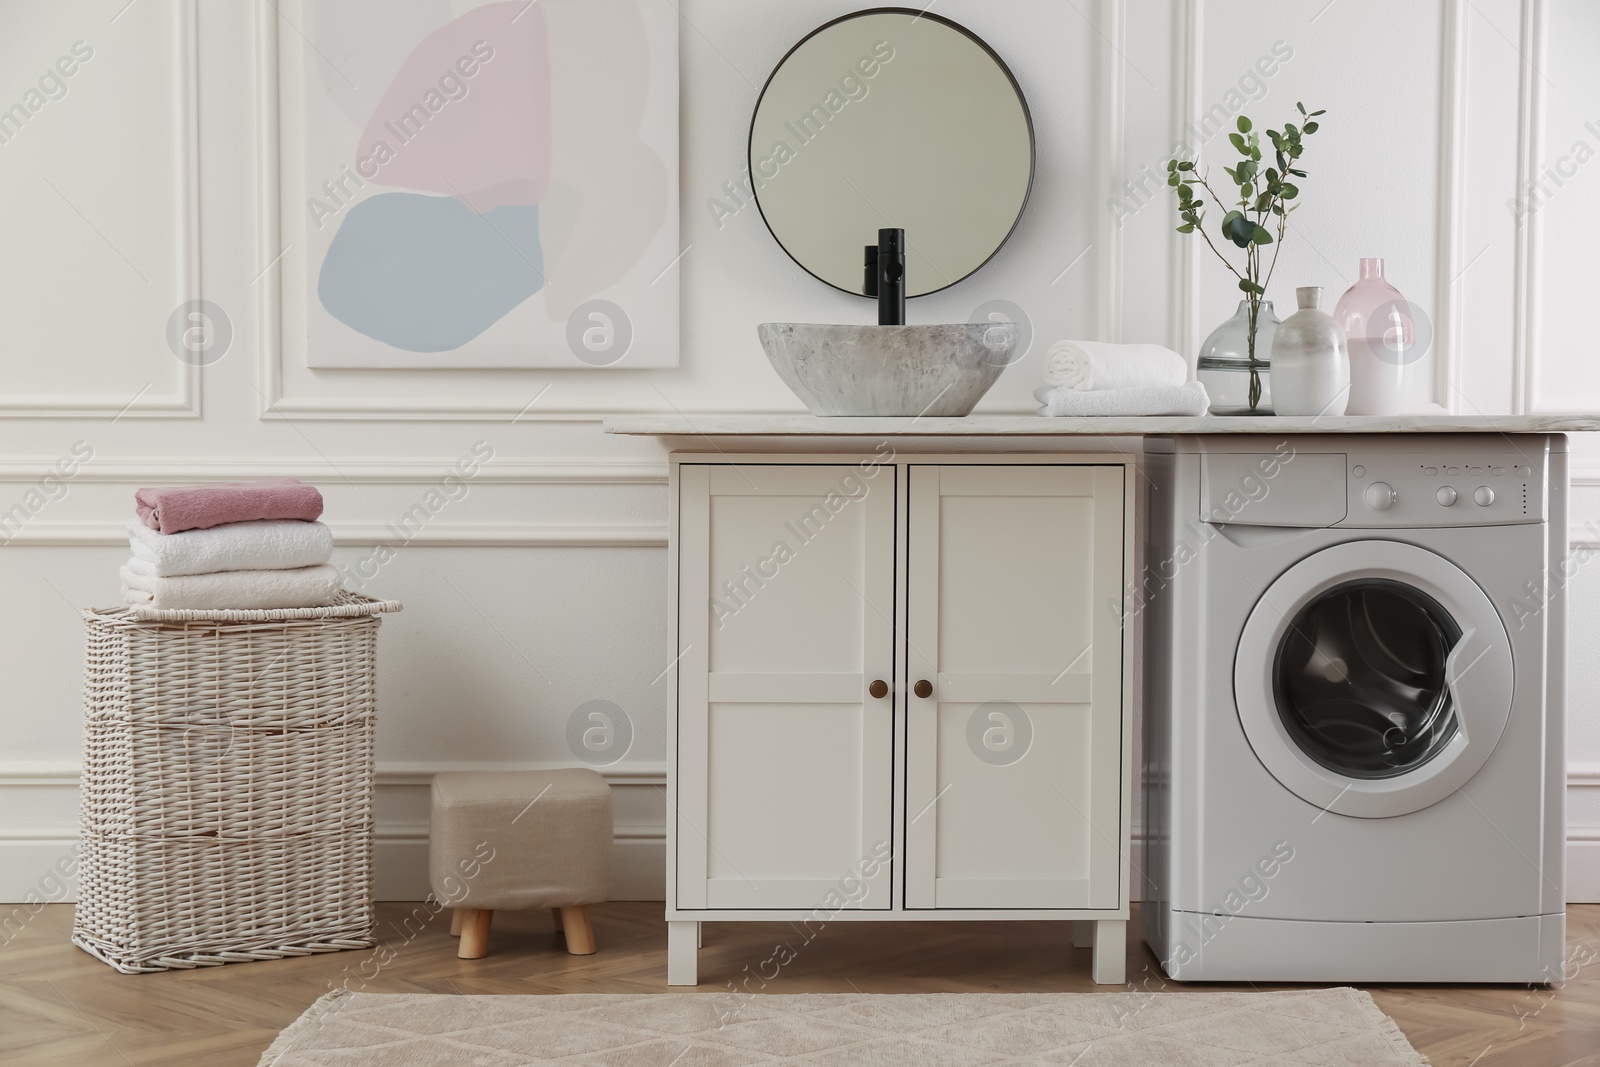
1446	496
1483	495
1381	496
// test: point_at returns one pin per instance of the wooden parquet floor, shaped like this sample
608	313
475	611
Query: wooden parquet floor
61	1008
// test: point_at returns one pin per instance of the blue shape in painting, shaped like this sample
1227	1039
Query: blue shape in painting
427	273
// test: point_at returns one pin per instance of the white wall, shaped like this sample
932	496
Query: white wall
543	588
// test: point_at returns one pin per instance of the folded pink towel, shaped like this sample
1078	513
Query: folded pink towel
200	507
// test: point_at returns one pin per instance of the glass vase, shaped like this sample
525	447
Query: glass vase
1224	364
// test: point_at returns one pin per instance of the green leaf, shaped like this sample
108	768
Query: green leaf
1247	286
1238	143
1312	127
1314	114
1261	236
1187	227
1289	192
1292	131
1301	106
1238	229
1298	173
1186	165
1244	124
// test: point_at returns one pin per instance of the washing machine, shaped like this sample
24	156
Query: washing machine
1353	689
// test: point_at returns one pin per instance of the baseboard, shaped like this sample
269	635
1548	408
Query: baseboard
638	863
38	866
1583	865
45	794
39	802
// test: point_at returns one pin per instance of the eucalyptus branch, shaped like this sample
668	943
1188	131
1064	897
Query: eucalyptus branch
1225	261
1265	192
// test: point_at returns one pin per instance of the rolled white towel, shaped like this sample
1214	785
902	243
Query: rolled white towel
1086	365
1187	399
302	587
262	545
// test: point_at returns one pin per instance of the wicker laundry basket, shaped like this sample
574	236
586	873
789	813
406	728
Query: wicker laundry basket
227	784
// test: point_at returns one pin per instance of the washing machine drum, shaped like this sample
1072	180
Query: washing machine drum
1373	678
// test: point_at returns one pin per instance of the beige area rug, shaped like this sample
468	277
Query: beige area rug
1325	1028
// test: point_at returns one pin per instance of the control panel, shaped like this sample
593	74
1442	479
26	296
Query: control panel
1467	489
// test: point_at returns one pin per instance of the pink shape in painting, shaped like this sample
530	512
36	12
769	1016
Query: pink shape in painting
468	114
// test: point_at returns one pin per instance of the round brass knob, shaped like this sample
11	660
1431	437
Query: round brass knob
879	689
923	688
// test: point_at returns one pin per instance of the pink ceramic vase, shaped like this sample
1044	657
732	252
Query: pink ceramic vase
1386	346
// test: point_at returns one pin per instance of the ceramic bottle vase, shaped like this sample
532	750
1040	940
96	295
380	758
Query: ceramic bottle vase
1224	364
1310	370
1387	340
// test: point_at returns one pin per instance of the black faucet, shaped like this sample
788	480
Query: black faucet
886	276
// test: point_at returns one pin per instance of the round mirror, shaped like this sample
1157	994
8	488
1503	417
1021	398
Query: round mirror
891	118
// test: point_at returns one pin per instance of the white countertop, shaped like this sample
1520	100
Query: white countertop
732	425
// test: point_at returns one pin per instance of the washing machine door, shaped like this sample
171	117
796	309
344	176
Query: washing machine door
1373	678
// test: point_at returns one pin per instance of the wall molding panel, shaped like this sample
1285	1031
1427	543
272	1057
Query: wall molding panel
350	470
362	535
1448	310
497	498
1530	146
183	400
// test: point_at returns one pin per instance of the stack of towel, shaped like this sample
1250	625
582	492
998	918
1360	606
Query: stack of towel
241	545
1094	378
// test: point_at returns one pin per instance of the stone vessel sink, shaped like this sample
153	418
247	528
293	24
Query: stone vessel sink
890	370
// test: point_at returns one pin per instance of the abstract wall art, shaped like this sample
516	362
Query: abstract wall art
479	185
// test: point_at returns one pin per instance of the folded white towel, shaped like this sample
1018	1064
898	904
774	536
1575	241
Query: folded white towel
1099	365
262	545
1187	399
302	587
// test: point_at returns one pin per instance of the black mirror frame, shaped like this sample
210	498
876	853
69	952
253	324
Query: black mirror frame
1027	115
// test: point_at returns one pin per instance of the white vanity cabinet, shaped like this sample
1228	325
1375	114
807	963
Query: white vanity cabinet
902	692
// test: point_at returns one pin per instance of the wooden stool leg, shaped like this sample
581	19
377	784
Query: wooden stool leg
475	933
580	935
455	921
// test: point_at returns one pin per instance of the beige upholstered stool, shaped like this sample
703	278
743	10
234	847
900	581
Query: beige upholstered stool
504	840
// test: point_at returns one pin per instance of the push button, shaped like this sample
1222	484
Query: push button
1380	496
1483	495
1446	496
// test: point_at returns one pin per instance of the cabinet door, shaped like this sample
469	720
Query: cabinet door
1014	760
784	760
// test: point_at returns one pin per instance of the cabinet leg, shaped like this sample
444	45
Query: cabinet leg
699	935
683	943
1110	951
1083	933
